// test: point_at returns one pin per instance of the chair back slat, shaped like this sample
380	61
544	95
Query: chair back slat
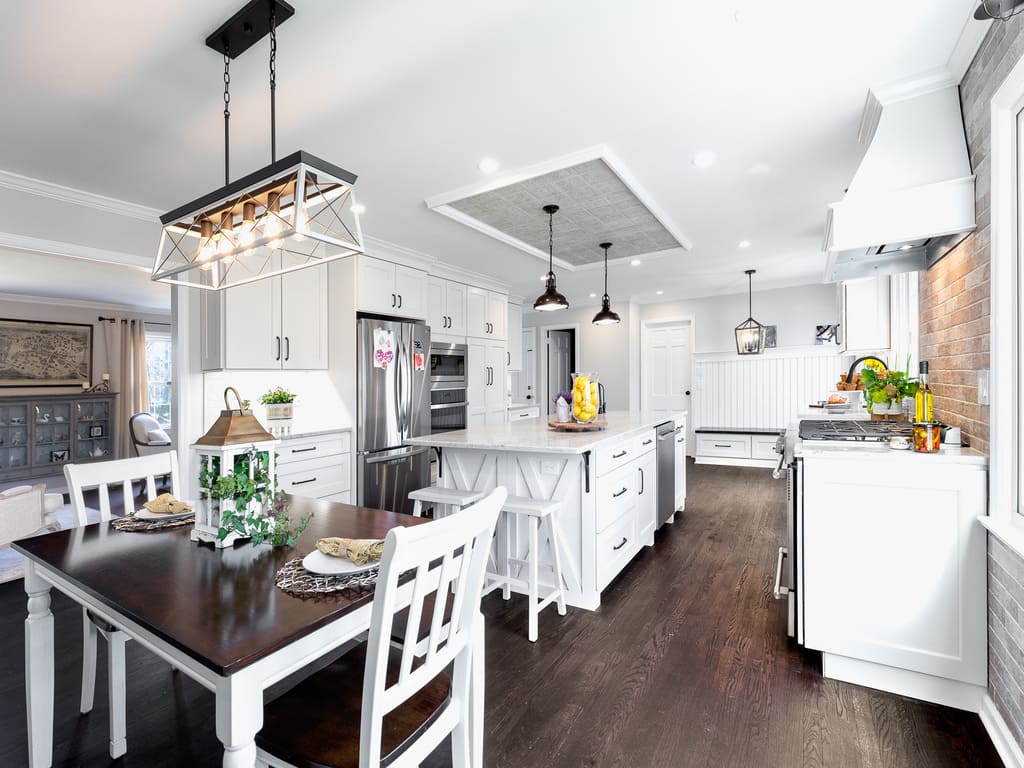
123	472
443	556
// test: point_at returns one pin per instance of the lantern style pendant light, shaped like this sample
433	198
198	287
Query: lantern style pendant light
750	334
551	299
297	212
1002	10
606	316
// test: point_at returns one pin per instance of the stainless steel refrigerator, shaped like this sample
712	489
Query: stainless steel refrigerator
393	376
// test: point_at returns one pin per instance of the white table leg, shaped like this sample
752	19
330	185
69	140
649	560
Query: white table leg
89	634
38	669
239	719
116	684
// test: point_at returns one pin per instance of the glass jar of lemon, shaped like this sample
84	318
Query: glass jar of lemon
584	397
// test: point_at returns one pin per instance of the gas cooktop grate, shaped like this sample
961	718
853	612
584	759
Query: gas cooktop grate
862	431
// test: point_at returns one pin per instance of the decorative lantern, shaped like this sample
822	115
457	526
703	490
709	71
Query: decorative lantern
750	334
236	458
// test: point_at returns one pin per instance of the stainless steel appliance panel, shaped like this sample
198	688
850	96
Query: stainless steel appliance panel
448	362
379	419
666	453
417	349
386	478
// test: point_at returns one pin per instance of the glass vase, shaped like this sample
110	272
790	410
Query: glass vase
585	401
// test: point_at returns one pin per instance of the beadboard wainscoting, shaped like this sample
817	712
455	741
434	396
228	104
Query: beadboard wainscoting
764	391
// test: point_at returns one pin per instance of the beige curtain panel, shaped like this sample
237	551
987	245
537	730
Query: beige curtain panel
132	384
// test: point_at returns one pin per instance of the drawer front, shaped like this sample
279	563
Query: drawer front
615	496
514	414
317	477
736	446
305	448
763	447
615	548
611	457
645	443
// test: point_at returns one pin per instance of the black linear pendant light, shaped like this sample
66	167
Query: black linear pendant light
750	334
606	316
1003	10
551	299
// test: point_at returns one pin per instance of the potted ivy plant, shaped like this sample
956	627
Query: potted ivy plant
885	390
278	402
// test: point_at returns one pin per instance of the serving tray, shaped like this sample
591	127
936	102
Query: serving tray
573	426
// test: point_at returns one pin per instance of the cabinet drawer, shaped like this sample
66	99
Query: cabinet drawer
305	448
615	548
736	446
610	457
615	496
763	447
645	443
317	477
515	414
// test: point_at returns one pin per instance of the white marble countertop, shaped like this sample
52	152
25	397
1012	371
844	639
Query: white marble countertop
314	433
808	449
534	436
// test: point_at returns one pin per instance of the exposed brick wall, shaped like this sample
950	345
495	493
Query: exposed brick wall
955	310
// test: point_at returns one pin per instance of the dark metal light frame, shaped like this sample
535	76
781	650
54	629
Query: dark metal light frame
606	316
750	334
551	299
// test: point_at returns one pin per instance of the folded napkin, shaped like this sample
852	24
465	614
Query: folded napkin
359	551
166	504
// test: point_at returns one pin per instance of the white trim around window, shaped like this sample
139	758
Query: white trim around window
1003	519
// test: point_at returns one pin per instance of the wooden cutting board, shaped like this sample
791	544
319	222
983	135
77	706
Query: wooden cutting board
573	426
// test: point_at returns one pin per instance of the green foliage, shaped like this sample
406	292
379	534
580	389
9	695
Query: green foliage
886	386
271	520
277	396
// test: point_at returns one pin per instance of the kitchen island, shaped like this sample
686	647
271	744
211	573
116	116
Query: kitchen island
605	480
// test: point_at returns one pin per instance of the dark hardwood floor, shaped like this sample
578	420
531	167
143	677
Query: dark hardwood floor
685	664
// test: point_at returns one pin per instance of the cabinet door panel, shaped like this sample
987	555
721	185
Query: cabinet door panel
514	335
647	496
477	377
437	314
476	313
680	451
252	319
411	287
495	397
455	306
304	318
376	286
497	304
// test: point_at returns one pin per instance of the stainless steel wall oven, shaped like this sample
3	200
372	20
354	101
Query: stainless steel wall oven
447	387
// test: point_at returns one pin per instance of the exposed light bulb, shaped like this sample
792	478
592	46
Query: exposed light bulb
635	263
207	248
247	232
358	209
301	222
744	243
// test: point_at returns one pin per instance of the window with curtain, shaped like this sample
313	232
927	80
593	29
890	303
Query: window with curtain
158	371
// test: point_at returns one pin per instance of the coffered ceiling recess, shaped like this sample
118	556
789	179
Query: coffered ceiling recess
596	205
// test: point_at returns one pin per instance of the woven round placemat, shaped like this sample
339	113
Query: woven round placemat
137	524
296	580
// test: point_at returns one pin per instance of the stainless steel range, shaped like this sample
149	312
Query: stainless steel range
856	431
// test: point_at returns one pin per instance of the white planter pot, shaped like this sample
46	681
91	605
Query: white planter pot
279	410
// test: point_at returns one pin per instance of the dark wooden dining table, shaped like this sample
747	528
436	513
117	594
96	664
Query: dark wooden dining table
215	614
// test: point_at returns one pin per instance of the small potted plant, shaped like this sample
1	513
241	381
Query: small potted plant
885	391
562	401
278	402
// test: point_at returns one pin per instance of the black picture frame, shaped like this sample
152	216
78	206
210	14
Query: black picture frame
24	343
96	430
58	456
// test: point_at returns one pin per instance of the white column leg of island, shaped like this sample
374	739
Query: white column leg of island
38	669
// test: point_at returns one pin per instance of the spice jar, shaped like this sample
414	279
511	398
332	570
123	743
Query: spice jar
927	436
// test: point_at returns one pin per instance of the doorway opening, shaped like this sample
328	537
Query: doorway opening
559	362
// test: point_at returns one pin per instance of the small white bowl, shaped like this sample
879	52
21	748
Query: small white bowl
900	442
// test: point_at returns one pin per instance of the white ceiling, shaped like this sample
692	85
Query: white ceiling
126	102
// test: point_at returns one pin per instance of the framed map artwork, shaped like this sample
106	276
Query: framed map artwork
42	354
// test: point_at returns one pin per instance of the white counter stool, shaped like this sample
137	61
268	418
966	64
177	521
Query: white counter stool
445	500
538	513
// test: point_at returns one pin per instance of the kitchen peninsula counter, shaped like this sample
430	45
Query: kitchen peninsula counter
605	480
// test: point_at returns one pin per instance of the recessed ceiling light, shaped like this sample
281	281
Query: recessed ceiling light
489	165
744	243
738	17
659	292
593	295
906	247
358	209
705	158
635	263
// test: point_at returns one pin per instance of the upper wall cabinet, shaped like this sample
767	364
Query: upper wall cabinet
864	314
446	307
391	289
274	323
486	313
515	336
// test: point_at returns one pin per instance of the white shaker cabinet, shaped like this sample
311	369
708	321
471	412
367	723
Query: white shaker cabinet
514	334
446	307
485	383
647	496
486	314
391	289
274	323
865	315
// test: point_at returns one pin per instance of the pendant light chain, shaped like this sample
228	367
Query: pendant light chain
551	243
227	115
273	82
750	294
606	272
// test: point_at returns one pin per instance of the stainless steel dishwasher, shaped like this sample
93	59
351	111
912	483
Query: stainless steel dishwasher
666	471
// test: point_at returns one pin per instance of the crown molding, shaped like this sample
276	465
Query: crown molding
968	44
469	277
384	249
73	250
103	306
48	189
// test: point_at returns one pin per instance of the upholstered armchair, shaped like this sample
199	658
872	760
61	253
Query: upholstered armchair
27	510
148	436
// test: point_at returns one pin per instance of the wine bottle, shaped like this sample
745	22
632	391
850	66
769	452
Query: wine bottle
923	409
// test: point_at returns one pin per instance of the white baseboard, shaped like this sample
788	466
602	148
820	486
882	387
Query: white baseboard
737	462
1007	747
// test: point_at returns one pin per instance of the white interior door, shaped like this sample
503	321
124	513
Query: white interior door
665	377
527	376
560	353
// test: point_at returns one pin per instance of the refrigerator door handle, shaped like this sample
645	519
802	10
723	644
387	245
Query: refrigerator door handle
393	457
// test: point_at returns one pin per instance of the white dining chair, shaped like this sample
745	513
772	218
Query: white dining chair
99	476
336	716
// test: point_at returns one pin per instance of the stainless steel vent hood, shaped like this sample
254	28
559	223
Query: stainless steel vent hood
912	198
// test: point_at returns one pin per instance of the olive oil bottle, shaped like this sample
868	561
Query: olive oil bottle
923	410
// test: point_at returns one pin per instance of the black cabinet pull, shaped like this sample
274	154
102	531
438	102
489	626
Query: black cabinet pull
616	495
618	455
399	301
287	348
303	482
641	482
394	299
303	450
509	356
278	347
719	445
621	544
648	442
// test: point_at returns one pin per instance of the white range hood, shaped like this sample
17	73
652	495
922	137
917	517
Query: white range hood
912	198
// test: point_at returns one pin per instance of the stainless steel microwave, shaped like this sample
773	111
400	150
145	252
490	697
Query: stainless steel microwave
448	363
